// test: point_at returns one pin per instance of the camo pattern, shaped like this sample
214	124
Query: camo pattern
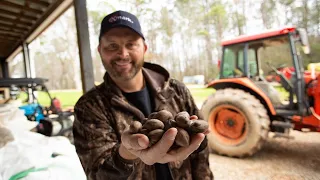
103	113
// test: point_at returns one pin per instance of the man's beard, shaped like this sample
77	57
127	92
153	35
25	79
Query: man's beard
123	76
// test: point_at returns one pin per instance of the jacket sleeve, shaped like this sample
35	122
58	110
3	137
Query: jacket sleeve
97	143
200	158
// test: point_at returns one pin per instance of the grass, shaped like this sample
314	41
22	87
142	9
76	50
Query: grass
70	97
201	94
67	98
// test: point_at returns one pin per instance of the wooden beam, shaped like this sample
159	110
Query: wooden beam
54	12
87	76
9	38
10	35
15	31
39	2
13	27
3	11
26	59
14	53
4	68
48	17
20	7
14	21
5	43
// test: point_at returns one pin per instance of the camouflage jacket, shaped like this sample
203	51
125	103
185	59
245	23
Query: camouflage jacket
103	113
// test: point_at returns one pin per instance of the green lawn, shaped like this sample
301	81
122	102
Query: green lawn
69	98
201	94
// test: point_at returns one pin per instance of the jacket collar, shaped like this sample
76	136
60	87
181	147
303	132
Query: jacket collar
155	75
157	78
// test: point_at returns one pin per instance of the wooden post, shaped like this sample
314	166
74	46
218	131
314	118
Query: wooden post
86	66
4	68
26	60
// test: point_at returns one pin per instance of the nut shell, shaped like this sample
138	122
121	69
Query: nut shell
169	124
164	115
153	124
154	136
182	138
183	119
199	126
135	127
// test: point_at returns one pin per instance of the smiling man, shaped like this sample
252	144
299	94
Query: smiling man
133	89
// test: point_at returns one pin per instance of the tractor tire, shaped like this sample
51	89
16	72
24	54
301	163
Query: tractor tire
238	122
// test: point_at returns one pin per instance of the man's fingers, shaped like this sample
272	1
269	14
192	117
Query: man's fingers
143	141
135	141
193	117
165	142
196	141
184	152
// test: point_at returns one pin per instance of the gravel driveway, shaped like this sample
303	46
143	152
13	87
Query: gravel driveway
279	159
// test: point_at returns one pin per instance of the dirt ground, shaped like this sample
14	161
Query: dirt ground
279	159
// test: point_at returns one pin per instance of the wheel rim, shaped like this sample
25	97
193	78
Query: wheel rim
228	124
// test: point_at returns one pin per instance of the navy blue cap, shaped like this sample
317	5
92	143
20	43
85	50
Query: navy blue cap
120	19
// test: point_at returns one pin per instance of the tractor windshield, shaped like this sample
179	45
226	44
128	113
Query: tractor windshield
263	58
273	51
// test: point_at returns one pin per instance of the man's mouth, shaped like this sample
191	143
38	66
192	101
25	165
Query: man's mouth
122	63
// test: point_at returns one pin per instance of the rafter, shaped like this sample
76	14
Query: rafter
15	21
14	27
8	38
3	11
5	28
11	32
18	6
5	42
39	2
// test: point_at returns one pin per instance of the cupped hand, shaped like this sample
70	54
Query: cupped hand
136	146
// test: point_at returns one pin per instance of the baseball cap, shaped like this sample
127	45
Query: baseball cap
120	19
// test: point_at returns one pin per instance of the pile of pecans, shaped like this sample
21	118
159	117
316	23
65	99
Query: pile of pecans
159	122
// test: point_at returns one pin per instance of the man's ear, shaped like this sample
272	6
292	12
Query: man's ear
145	47
98	48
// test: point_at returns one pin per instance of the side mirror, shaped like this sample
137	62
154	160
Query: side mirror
304	40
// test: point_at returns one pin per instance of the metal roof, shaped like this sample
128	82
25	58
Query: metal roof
23	20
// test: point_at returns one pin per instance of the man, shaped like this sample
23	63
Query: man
132	89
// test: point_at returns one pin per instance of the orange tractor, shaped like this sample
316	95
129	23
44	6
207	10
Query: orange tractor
246	106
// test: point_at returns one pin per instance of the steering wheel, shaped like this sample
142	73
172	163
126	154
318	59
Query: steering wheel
274	69
283	80
282	66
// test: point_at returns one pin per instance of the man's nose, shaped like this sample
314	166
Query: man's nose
123	52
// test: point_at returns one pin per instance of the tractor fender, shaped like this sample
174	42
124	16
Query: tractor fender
246	85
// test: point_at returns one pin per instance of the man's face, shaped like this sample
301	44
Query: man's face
122	53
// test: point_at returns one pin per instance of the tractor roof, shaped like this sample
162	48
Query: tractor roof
266	34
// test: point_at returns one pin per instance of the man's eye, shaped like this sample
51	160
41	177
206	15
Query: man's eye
131	46
112	47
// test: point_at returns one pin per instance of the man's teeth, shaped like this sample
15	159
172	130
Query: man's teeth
121	63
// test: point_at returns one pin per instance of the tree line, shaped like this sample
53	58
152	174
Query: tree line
183	35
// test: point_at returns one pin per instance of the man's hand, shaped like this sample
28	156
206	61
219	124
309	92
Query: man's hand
136	146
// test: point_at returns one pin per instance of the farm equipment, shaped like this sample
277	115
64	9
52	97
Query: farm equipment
246	106
52	121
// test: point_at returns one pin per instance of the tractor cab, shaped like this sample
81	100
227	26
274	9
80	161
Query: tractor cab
272	62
